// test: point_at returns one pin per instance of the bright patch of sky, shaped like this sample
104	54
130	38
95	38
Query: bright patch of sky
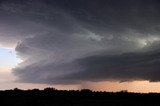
8	58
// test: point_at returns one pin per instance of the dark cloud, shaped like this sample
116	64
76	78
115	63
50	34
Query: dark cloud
124	67
69	41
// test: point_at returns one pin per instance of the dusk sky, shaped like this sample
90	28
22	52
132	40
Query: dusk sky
103	45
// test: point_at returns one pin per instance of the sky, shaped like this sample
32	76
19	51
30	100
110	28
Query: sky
103	45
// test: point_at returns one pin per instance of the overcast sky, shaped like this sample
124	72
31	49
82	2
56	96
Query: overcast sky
73	41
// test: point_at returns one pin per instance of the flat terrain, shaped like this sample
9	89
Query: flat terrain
52	97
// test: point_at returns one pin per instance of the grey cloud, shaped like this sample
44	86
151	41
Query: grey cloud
125	67
113	16
69	41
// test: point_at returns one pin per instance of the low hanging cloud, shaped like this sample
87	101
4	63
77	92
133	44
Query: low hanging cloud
124	67
68	41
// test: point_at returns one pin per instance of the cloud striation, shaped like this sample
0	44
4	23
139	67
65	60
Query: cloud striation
71	41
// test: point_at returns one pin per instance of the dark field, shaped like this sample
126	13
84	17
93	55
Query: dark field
52	97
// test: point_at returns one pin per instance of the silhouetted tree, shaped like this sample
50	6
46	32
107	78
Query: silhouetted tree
86	90
49	89
52	97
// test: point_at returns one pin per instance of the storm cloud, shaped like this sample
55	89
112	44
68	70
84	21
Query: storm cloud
71	41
